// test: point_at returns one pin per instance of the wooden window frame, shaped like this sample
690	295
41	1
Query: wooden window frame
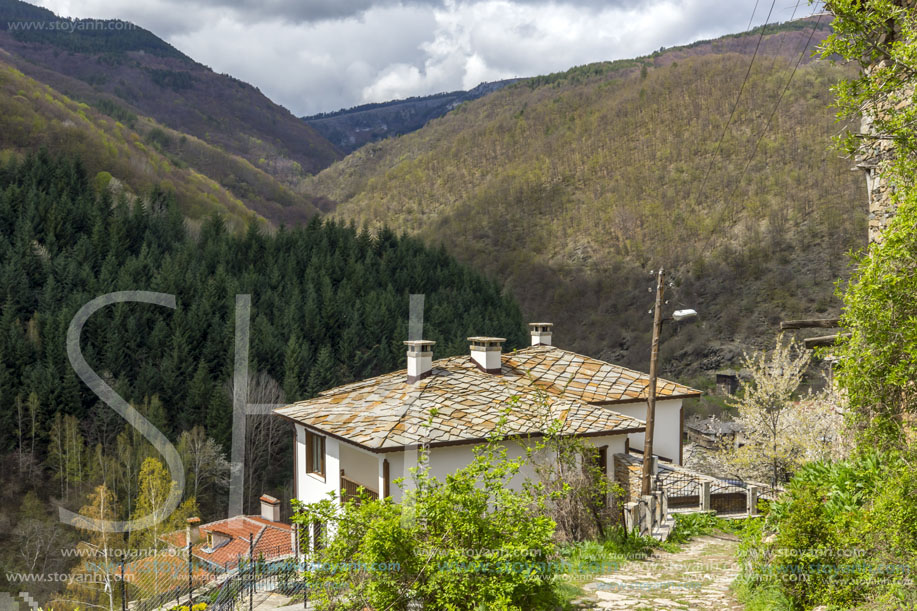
311	468
386	492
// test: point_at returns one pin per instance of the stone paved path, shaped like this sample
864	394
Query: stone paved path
269	601
696	577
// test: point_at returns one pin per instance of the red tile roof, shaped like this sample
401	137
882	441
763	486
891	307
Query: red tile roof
163	571
272	540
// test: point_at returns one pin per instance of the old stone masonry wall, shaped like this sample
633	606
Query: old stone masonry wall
873	155
878	150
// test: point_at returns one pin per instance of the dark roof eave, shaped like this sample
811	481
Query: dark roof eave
686	395
457	442
536	435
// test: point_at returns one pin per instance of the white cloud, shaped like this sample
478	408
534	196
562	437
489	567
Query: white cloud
319	55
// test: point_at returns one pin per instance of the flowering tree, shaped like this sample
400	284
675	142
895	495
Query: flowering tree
781	430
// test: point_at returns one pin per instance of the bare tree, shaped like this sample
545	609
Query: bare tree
204	461
583	499
264	436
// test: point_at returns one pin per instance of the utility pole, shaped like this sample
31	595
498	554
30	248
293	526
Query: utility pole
651	389
190	575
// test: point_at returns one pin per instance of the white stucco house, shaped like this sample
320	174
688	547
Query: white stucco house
367	433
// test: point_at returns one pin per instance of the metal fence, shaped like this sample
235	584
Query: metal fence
685	491
729	496
252	576
167	579
284	577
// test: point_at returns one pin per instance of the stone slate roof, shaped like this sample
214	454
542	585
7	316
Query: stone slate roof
459	403
714	426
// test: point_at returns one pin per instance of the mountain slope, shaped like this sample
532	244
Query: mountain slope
351	128
90	61
571	187
34	116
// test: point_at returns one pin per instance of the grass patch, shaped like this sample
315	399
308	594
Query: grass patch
689	525
762	598
567	593
585	560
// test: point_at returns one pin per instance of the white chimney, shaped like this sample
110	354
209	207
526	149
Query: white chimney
420	359
270	508
485	352
541	333
192	531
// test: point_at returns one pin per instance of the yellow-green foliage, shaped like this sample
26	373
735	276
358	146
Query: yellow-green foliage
590	176
101	181
616	161
54	121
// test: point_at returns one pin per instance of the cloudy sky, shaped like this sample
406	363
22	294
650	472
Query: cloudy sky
320	55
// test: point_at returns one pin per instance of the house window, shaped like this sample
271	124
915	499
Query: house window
315	454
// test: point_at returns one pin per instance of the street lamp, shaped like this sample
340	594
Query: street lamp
680	315
677	316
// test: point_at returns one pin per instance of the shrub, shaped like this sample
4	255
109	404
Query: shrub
689	525
843	534
469	542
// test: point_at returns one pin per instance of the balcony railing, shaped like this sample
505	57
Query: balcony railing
350	490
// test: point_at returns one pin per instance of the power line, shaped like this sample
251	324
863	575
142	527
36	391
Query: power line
735	106
752	18
754	151
783	40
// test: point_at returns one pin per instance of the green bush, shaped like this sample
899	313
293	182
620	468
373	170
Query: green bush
689	525
469	542
844	534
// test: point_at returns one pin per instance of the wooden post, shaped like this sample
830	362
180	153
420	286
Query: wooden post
651	390
705	496
386	491
818	323
123	589
752	500
823	340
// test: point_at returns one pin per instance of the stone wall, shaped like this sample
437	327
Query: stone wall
875	152
629	475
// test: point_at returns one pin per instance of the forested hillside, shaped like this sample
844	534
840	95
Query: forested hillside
130	154
329	305
131	67
115	140
570	188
